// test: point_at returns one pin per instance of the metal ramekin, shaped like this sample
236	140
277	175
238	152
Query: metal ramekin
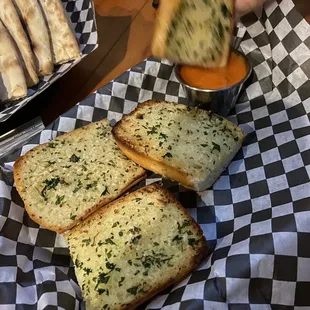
221	100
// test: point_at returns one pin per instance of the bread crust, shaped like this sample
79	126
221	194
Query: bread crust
61	229
128	147
153	165
193	263
17	169
146	162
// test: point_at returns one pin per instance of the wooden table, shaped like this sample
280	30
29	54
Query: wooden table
125	30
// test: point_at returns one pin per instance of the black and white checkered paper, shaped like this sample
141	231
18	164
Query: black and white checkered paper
256	217
82	16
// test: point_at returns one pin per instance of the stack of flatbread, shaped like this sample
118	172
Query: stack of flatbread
35	35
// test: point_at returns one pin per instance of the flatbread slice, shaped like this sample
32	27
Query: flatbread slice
64	43
12	79
31	14
10	19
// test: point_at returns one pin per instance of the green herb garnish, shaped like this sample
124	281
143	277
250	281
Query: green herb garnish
74	158
59	199
109	254
107	241
135	240
192	242
120	283
110	266
49	184
52	145
115	224
78	187
157	259
216	147
89	186
168	155
226	13
133	290
152	131
178	239
135	230
86	241
103	278
100	291
72	217
105	192
163	136
87	270
184	224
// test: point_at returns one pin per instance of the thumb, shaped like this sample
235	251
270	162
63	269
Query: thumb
243	7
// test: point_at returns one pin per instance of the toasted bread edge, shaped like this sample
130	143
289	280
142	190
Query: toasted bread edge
17	171
196	260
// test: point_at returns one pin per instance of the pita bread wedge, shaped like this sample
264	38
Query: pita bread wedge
31	14
12	80
11	21
64	43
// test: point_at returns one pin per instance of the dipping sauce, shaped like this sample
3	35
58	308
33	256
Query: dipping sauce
204	78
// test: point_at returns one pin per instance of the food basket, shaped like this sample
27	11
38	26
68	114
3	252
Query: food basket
82	16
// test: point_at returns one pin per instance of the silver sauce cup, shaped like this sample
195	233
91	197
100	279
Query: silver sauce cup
221	100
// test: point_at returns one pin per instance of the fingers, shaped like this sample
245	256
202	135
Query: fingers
245	6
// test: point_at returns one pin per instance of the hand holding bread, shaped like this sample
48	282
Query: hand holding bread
194	32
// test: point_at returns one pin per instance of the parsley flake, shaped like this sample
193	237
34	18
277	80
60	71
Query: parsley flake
105	192
59	199
216	147
167	155
133	290
120	283
49	184
86	241
74	158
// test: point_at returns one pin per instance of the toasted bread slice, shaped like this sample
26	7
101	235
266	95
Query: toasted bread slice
63	181
188	145
194	32
136	246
